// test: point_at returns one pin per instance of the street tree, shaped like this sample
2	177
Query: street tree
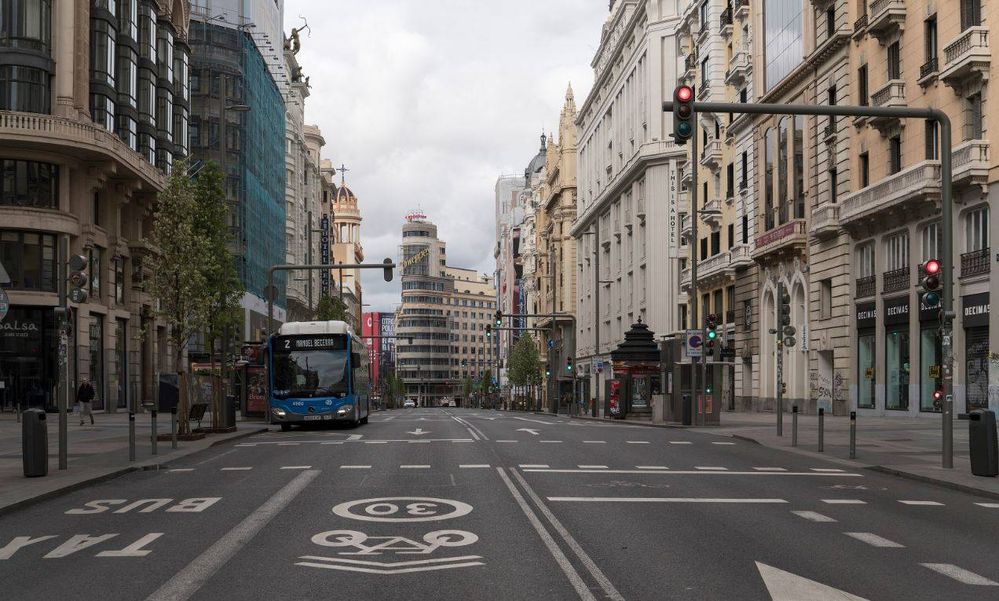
525	364
331	308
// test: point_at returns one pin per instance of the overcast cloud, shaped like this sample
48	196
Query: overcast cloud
428	102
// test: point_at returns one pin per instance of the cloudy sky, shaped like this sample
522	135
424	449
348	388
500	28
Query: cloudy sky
428	102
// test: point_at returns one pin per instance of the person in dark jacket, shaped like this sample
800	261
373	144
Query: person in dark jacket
85	396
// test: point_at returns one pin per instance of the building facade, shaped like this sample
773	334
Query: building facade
627	227
345	247
94	101
511	196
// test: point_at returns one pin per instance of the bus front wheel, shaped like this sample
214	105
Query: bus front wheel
285	427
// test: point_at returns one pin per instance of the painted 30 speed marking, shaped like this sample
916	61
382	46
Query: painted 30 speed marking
402	509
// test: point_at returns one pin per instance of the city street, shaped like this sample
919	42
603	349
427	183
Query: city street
477	504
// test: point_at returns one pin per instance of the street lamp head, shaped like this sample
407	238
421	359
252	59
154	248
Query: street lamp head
238	108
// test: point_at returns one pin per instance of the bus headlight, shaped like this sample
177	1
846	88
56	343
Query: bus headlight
279	413
344	411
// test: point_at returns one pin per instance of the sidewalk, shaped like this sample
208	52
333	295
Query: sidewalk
95	453
907	447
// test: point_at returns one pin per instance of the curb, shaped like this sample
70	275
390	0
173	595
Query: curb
935	481
624	422
63	490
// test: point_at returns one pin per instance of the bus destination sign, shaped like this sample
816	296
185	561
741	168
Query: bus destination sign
312	343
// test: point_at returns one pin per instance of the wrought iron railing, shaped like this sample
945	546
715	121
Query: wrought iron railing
975	262
930	66
867	286
896	280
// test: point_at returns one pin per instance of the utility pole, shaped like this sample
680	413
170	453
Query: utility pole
596	311
692	402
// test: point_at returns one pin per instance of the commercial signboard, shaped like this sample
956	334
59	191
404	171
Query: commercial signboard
324	254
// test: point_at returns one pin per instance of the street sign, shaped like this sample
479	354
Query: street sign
694	343
4	303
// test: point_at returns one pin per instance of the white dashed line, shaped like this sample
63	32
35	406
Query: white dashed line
812	516
988	505
296	467
414	467
462	440
420	441
474	465
923	503
637	442
336	442
550	441
592	467
355	467
595	441
649	467
506	441
827	469
874	540
770	469
539	466
711	468
287	444
181	469
660	500
724	443
961	575
375	442
236	469
844	502
680	442
246	444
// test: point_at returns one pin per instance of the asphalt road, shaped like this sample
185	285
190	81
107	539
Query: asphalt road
466	504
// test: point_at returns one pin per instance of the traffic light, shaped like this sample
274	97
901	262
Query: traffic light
499	318
568	364
785	331
931	283
489	330
683	114
711	330
548	372
78	279
387	270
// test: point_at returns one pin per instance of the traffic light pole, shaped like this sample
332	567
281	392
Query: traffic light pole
780	358
691	401
946	202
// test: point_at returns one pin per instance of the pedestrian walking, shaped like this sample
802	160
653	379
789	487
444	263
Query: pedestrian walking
85	397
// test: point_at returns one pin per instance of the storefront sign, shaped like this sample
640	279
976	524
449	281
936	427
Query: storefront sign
975	310
18	329
4	304
896	310
867	315
673	218
324	254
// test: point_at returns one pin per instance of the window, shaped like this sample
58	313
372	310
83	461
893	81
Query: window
95	256
932	137
894	61
971	13
783	45
715	243
25	89
731	235
897	367
26	25
894	154
768	179
833	185
744	181
973	117
865	260
799	167
782	168
96	206
730	181
865	169
704	248
30	260
977	233
682	309
743	96
831	21
897	251
119	280
862	85
932	242
930	359
930	39
865	369
825	298
831	96
29	184
745	229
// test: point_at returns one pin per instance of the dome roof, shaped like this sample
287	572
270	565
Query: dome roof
538	162
343	194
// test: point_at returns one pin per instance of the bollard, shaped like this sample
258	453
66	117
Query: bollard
794	426
822	425
853	435
173	427
153	434
131	436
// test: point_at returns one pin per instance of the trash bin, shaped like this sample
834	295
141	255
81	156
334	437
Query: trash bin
983	443
34	443
228	416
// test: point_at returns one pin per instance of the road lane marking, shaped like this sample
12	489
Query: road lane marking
844	502
988	505
185	583
420	441
355	467
473	465
563	562
770	469
423	565
921	503
813	516
532	466
414	467
537	421
826	469
724	443
236	469
287	444
637	442
709	468
663	500
296	467
507	441
680	442
337	442
874	540
595	441
180	469
355	437
785	586
649	467
695	473
961	575
551	441
592	467
375	442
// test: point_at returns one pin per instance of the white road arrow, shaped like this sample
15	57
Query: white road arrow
419	432
785	586
534	432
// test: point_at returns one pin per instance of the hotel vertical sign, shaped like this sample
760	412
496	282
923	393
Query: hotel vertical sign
324	254
673	217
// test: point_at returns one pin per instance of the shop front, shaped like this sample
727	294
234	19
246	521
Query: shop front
866	320
898	364
975	319
930	358
29	339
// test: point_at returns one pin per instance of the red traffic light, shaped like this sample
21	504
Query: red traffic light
684	93
931	267
937	394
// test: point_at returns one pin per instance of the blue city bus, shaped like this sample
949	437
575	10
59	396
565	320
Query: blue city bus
318	372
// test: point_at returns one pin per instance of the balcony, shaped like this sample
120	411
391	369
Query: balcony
685	279
975	263
711	156
867	286
725	23
689	68
710	213
929	71
894	199
966	58
685	174
788	237
895	280
892	94
739	68
886	18
685	229
970	163
742	256
825	221
741	9
830	132
713	269
88	141
860	26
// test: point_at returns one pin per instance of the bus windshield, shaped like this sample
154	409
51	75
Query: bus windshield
307	374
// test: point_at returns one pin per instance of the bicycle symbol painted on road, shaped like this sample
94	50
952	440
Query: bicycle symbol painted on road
377	545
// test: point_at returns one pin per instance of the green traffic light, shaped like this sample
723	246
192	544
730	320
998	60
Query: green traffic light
712	334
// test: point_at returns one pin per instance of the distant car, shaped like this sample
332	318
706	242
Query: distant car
409	404
446	402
